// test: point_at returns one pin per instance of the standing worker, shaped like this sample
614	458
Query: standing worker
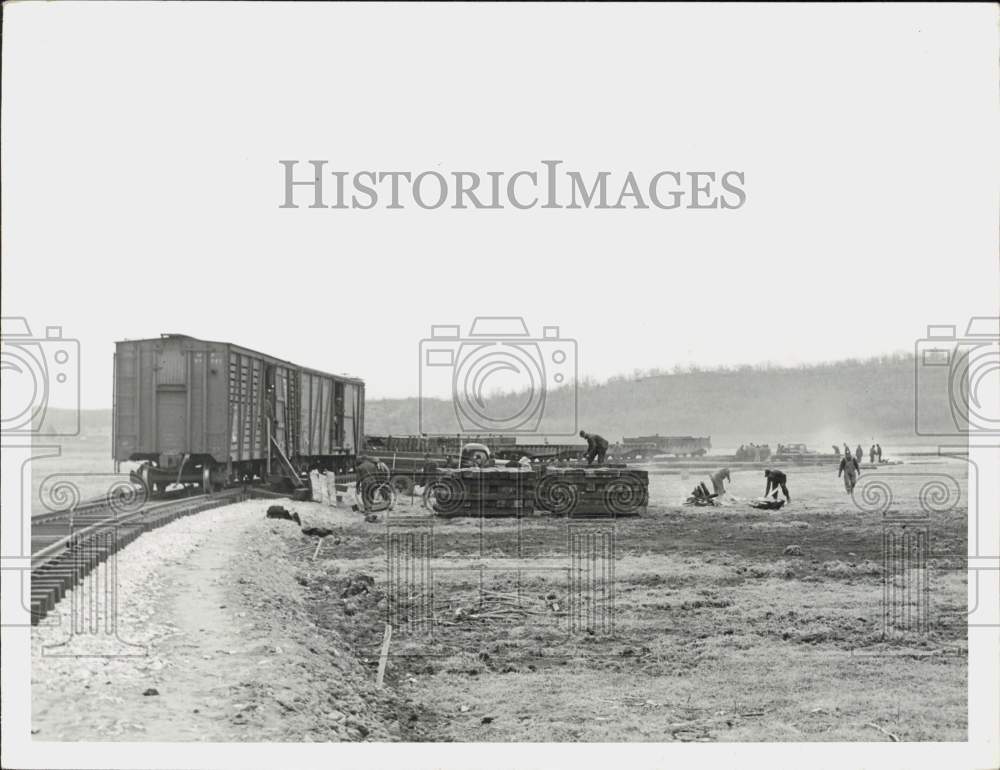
878	452
851	468
871	454
717	479
365	479
597	447
776	480
430	472
382	477
859	454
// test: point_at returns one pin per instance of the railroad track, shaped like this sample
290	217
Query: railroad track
66	546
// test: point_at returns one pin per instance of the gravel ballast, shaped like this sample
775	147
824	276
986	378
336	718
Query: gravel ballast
213	643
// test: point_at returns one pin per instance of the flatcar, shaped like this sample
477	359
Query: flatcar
634	447
193	411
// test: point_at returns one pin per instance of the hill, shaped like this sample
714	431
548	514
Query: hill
852	400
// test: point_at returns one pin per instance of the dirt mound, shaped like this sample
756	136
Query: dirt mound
316	688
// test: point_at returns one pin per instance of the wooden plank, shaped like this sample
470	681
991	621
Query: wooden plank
384	655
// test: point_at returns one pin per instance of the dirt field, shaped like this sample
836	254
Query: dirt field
685	624
706	630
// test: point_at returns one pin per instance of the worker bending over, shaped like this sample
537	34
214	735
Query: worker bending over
597	447
775	480
717	479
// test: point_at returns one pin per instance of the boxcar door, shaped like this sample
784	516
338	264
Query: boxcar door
171	396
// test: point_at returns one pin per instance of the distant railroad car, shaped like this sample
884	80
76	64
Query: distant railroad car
679	446
194	411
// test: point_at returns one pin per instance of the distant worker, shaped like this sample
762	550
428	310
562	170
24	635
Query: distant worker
597	447
717	479
851	468
475	455
429	474
776	480
878	452
871	454
859	454
383	476
430	467
700	495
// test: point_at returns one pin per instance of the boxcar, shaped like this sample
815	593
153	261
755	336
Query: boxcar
195	411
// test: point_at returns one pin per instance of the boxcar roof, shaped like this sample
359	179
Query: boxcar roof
163	337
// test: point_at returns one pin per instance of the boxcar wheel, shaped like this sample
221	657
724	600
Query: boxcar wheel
206	480
144	474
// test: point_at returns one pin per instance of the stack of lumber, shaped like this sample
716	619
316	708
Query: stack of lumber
484	491
588	492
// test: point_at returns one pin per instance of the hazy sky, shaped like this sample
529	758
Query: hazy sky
141	183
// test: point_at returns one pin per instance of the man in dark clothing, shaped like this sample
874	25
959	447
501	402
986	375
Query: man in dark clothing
365	468
871	454
878	452
430	467
373	480
776	480
597	447
365	479
851	468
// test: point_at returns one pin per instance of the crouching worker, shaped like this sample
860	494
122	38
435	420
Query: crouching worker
597	447
851	470
700	496
776	480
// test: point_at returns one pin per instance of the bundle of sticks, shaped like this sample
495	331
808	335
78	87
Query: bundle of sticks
497	605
